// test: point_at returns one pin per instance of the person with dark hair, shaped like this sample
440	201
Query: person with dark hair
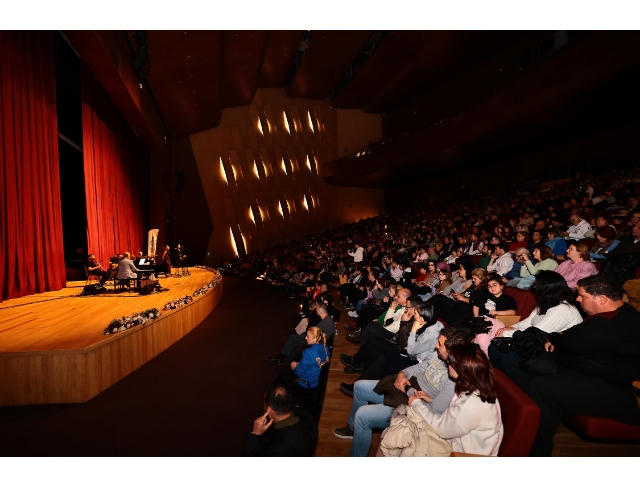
492	301
281	432
606	237
555	313
545	262
415	343
358	253
596	364
473	421
557	244
429	376
487	252
462	283
484	329
501	261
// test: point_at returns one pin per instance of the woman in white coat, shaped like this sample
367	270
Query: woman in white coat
472	423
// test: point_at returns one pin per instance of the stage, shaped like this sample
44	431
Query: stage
52	349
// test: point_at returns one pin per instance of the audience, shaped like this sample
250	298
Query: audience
396	331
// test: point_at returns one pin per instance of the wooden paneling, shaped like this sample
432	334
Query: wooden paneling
77	375
327	58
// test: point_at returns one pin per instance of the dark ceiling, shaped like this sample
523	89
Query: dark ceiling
446	96
195	74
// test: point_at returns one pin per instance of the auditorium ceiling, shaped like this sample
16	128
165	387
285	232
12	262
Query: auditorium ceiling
449	100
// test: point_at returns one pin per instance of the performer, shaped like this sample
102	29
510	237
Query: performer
94	268
166	260
126	268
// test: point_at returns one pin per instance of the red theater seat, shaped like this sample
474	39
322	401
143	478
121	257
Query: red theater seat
525	300
604	429
475	258
520	417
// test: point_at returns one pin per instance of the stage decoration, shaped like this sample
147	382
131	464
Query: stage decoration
125	323
177	303
143	317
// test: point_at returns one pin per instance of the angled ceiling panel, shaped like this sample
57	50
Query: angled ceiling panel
185	78
242	57
327	58
281	49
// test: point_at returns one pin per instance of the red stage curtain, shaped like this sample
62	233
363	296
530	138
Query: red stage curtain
31	248
116	179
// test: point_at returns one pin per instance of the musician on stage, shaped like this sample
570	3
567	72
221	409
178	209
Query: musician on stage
94	268
166	260
126	268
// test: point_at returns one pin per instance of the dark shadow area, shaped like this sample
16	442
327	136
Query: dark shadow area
198	398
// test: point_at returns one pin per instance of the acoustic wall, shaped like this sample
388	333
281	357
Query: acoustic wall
261	172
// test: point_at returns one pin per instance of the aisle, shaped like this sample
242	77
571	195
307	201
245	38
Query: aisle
197	398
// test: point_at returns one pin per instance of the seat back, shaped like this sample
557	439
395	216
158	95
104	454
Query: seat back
526	301
520	417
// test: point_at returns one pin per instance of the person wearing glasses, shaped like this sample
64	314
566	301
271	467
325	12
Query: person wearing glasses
579	227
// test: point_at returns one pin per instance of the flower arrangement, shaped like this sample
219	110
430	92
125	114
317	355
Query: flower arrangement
126	322
177	303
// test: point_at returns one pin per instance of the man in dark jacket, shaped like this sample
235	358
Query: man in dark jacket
597	361
281	432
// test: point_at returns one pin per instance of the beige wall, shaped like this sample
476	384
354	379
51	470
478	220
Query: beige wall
238	142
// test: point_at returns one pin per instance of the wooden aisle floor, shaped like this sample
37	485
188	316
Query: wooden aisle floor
337	407
60	320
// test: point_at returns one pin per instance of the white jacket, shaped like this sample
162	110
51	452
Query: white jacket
555	320
470	425
357	255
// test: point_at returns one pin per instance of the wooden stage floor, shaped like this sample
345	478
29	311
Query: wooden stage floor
60	320
52	349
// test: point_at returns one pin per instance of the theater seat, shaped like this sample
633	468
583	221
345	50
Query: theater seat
520	417
526	301
604	429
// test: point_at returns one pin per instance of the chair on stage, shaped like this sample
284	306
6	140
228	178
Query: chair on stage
121	283
90	277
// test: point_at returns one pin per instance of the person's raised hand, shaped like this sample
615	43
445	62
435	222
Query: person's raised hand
262	424
401	382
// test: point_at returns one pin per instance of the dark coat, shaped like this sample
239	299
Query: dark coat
298	440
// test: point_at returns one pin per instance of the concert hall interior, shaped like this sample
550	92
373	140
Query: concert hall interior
192	151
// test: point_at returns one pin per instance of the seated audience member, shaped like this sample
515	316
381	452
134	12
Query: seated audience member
603	221
577	265
349	293
451	310
579	227
475	246
281	431
411	348
536	239
514	273
606	237
632	206
501	261
557	244
522	240
310	365
492	301
462	283
487	253
554	313
545	262
433	255
596	364
368	410
473	421
422	256
484	329
325	324
387	324
635	218
629	244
